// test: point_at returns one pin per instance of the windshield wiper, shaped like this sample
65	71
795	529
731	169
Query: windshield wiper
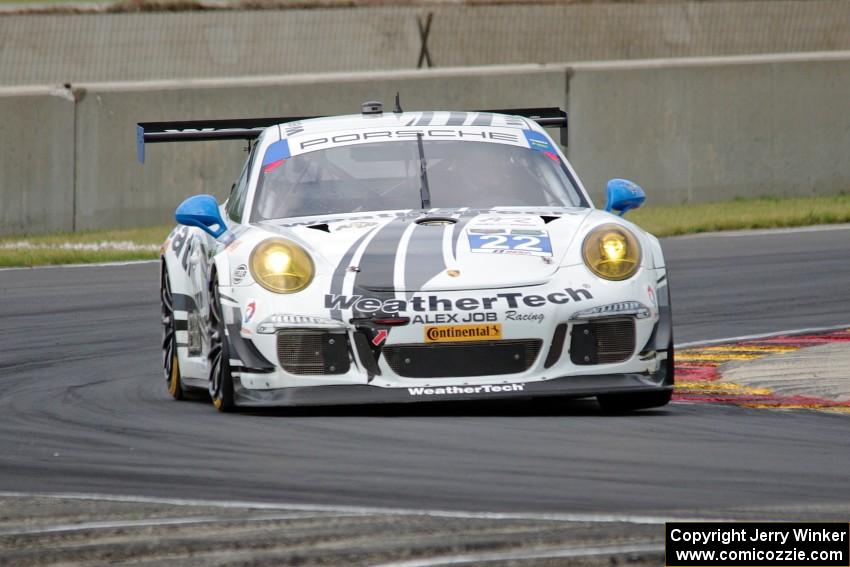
424	190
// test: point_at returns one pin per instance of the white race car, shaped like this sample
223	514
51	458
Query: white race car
406	257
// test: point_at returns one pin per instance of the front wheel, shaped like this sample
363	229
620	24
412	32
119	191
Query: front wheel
170	362
221	379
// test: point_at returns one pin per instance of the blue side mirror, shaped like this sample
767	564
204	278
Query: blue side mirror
623	195
201	211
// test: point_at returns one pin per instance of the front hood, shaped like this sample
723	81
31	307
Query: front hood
450	249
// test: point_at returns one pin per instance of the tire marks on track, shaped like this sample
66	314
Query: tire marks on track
76	531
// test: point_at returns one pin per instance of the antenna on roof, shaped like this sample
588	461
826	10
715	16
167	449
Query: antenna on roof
397	109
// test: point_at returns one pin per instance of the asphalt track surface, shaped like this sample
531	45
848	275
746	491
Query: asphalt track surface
83	408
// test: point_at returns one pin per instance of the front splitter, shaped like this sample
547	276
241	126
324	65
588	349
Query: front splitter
568	386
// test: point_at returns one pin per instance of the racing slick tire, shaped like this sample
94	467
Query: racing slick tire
624	403
170	361
221	378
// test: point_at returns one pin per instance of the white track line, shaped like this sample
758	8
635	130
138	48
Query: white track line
359	510
110	245
764	336
190	520
524	555
96	265
761	232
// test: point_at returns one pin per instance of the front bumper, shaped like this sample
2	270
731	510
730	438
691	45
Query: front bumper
552	372
568	387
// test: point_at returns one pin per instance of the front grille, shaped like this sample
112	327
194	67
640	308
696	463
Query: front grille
450	360
314	353
603	341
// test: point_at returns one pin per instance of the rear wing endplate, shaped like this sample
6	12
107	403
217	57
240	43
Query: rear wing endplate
251	128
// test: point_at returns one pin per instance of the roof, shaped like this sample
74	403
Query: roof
526	119
418	119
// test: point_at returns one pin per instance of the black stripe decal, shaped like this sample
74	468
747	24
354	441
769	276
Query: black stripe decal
424	258
339	274
181	324
459	229
377	266
483	119
457	118
425	119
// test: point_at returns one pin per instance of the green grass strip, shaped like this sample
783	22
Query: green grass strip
661	220
42	250
739	214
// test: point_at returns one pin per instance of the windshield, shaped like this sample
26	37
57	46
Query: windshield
389	176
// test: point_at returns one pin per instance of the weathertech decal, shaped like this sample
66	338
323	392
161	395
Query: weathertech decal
449	390
422	304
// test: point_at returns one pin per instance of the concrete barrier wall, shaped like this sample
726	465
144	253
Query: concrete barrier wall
714	129
47	49
44	48
687	130
114	190
536	32
36	160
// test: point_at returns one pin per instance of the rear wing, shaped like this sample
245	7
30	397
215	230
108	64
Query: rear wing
251	128
200	130
548	117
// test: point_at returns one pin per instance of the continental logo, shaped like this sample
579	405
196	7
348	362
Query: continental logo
456	333
433	303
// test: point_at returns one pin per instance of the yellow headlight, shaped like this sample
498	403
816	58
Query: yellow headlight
281	266
611	252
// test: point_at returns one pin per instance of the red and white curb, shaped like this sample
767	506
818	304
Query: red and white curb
698	378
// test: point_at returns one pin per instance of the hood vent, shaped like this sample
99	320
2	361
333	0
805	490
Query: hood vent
435	221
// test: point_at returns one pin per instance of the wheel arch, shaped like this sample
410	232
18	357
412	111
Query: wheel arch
220	266
170	259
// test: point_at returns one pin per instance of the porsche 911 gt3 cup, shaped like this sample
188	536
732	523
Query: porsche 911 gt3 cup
407	257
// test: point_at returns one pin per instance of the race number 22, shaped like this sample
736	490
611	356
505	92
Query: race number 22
508	243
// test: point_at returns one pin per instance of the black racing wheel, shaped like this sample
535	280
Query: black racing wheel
170	362
221	379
